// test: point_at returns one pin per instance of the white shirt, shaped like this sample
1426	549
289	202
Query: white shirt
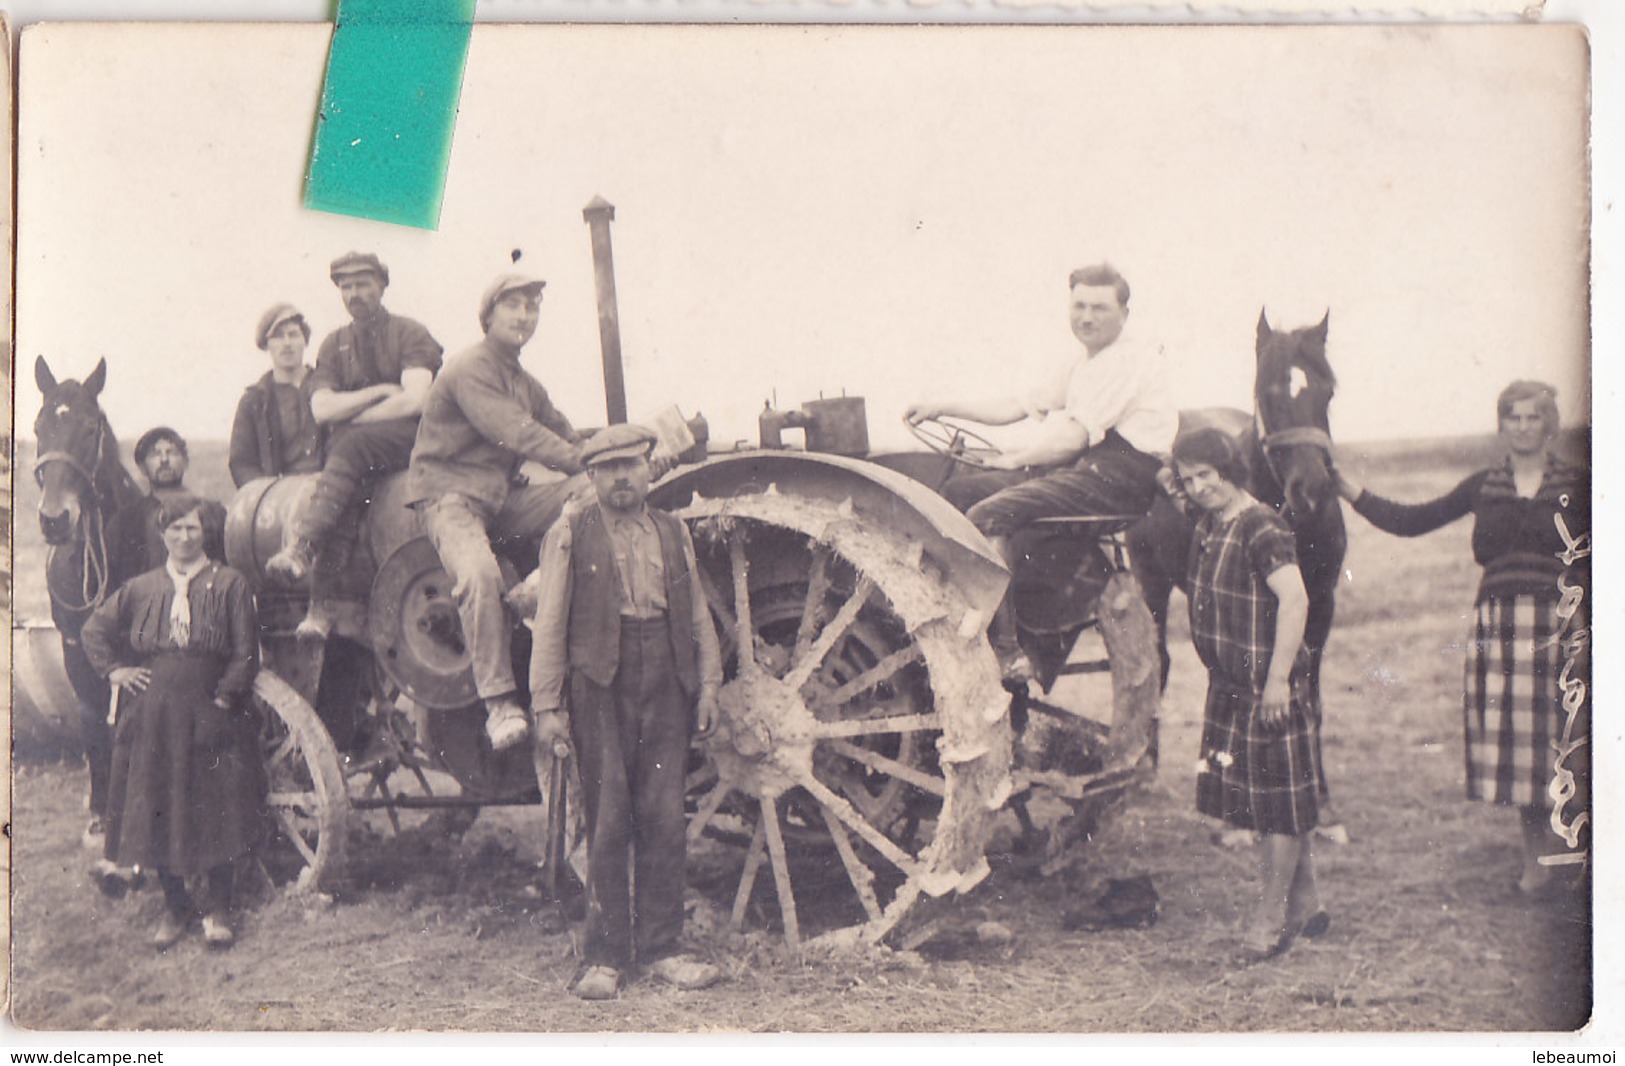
1124	387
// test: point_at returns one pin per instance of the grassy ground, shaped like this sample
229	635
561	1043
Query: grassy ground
441	932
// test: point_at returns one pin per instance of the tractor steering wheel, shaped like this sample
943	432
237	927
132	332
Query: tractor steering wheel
949	438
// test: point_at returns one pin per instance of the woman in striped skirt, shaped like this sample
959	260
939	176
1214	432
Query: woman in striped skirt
1248	608
1531	525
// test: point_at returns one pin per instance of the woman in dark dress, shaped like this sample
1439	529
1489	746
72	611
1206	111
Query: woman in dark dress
187	792
1248	608
274	432
1523	635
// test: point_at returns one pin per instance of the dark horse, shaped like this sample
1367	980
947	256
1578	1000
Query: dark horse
90	514
1288	444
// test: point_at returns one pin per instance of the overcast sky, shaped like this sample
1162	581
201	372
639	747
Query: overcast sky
890	212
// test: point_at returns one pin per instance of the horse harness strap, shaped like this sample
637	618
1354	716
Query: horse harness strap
1298	436
72	461
95	578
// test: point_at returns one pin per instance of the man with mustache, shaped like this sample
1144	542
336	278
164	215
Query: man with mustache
162	455
624	629
485	416
368	389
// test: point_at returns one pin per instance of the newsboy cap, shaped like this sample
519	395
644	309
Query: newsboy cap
272	320
501	287
149	440
358	263
622	441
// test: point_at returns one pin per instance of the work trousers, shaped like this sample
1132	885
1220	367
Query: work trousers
461	529
632	742
1113	477
358	456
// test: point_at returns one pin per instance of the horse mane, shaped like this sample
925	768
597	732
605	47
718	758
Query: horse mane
114	484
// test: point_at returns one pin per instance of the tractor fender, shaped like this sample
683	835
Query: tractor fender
876	494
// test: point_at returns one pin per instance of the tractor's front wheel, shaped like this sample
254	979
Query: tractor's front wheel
862	719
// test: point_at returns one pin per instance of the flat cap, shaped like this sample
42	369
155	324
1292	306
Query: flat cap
358	263
622	441
503	285
273	319
149	440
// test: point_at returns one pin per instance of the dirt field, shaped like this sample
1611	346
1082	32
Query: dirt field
437	932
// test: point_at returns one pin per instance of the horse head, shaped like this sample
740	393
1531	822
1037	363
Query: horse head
71	432
1293	391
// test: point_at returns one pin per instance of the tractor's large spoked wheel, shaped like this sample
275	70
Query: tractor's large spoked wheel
862	716
305	781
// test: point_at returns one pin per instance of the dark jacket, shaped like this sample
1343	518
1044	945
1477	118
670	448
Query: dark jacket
257	435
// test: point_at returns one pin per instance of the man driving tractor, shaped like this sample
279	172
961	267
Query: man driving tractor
1106	423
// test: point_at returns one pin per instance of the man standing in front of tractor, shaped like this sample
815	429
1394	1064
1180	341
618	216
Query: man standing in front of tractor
484	417
368	389
623	627
1106	424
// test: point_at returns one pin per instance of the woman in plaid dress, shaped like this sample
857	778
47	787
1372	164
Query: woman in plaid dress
1248	608
1524	635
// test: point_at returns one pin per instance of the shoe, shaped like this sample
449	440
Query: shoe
94	838
1316	925
685	971
317	623
171	927
217	931
292	564
111	878
1014	667
599	982
505	723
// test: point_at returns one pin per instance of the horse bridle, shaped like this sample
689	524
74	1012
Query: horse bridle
1292	437
96	579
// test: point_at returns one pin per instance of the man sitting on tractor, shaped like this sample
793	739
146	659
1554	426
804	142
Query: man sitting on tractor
484	417
368	387
1107	421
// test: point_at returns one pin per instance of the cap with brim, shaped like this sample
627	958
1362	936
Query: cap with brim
501	287
358	263
272	320
623	441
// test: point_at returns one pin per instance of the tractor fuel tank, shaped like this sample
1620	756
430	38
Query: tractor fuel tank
835	426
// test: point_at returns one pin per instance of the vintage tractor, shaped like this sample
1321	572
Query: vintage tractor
863	720
866	743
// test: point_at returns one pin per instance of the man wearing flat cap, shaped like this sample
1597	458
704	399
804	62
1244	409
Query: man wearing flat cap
275	432
624	629
368	390
162	455
484	417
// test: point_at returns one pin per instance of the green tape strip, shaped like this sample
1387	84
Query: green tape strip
389	107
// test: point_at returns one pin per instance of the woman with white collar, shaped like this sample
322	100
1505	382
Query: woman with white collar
187	792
